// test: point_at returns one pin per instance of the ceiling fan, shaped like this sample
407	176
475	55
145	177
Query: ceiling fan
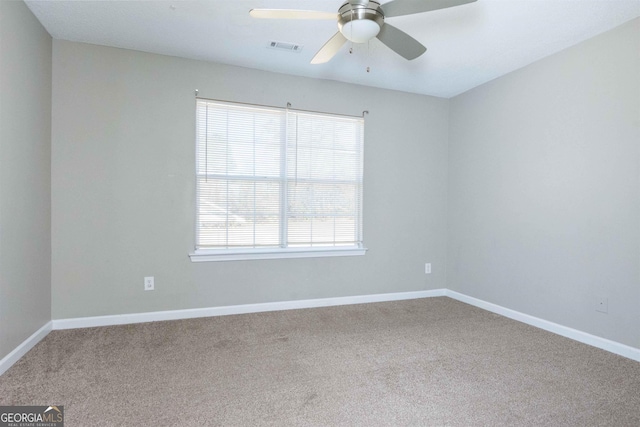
361	20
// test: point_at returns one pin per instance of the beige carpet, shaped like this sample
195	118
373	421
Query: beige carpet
427	362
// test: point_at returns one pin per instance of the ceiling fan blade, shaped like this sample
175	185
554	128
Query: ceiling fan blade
291	14
329	49
400	42
408	7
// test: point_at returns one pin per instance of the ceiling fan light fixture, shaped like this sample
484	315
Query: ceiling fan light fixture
361	30
360	22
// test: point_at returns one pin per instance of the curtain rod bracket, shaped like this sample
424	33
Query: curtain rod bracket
196	92
365	112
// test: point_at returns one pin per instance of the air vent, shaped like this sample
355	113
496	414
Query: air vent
291	47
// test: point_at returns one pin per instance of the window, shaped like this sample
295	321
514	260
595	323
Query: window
276	183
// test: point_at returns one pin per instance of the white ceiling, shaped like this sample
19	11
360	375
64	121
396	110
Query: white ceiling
466	45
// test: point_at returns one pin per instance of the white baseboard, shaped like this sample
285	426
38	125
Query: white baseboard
121	319
574	334
23	348
155	316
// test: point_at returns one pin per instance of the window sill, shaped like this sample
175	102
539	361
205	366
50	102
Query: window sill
207	255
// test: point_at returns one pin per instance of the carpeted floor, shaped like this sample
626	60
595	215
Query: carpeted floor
428	362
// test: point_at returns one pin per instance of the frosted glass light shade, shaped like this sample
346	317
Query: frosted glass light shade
360	30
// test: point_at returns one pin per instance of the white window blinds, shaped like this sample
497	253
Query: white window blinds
276	178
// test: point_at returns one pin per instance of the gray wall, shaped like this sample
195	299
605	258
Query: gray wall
544	195
25	175
123	186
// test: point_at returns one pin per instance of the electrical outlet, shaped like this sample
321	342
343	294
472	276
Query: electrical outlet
602	304
149	284
427	268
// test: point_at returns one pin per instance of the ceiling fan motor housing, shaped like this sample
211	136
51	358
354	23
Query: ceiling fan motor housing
360	21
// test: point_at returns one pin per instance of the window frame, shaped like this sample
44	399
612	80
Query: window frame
253	253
